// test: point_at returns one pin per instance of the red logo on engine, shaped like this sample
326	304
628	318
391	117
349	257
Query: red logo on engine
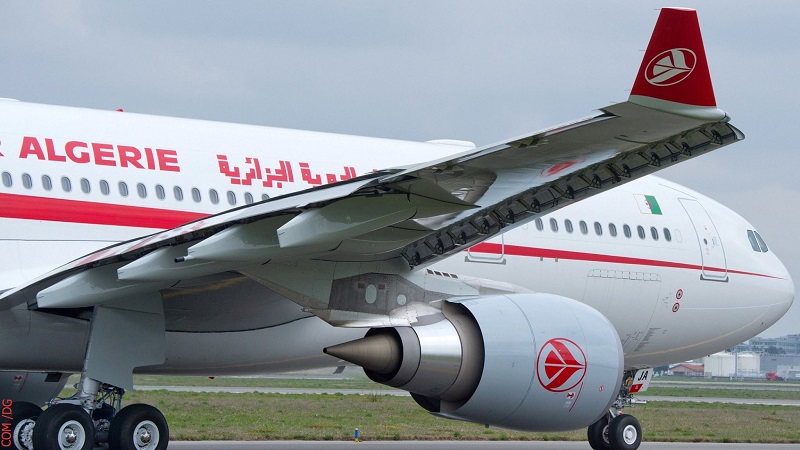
561	365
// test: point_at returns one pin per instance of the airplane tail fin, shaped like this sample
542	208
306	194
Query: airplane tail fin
674	73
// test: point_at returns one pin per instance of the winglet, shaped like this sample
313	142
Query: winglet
674	73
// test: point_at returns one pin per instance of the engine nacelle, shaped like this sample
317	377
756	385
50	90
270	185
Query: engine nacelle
534	362
32	387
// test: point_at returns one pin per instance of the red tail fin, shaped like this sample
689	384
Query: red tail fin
674	73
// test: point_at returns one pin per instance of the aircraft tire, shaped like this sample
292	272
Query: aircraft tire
597	434
138	427
64	427
624	433
20	421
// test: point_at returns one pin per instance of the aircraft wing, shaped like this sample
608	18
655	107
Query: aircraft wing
414	216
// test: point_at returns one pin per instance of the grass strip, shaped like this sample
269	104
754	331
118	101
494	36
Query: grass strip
207	416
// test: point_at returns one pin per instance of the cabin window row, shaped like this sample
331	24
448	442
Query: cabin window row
124	191
598	229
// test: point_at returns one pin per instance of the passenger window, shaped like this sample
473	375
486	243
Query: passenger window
584	227
612	230
85	186
213	196
553	225
264	197
27	181
626	230
66	185
123	188
539	224
761	242
231	198
47	183
568	225
248	198
141	189
640	230
7	182
598	229
654	233
196	195
667	235
104	187
178	193
160	192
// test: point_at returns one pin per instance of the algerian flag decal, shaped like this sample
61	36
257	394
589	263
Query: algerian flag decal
647	204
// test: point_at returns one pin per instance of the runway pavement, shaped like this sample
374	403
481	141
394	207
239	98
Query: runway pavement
454	445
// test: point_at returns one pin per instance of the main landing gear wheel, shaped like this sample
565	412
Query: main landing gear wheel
138	427
624	433
597	433
64	427
20	422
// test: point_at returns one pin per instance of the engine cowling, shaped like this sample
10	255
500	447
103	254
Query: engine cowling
534	362
32	387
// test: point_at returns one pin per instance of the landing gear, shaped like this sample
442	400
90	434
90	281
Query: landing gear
615	430
139	427
94	415
64	427
88	418
597	434
623	432
21	421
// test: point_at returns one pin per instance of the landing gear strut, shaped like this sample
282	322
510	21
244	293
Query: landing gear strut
616	430
94	415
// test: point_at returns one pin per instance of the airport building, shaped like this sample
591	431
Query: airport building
784	345
775	352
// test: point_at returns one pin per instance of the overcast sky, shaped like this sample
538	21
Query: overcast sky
478	71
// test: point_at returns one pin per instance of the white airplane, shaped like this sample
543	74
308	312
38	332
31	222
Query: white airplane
530	284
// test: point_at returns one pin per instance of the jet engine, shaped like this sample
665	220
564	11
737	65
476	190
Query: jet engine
534	362
31	387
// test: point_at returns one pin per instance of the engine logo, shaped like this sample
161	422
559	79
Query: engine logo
561	365
670	67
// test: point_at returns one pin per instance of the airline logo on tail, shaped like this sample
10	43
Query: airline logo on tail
670	67
674	53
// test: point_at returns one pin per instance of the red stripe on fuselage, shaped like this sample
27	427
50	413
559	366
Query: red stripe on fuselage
28	207
14	206
517	250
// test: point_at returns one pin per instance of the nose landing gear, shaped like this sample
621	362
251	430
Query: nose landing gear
616	430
